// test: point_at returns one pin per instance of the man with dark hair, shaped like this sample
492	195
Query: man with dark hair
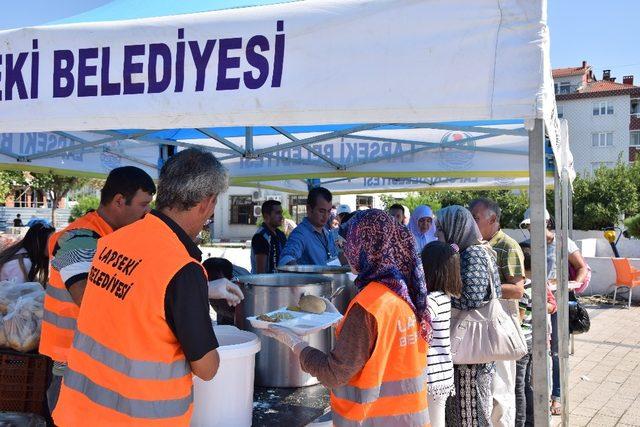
310	243
17	221
510	262
125	199
145	313
397	211
268	242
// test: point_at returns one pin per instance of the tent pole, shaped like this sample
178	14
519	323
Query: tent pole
540	374
562	293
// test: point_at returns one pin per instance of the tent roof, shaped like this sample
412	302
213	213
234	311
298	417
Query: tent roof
351	88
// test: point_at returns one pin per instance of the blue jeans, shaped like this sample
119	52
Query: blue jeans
524	391
555	360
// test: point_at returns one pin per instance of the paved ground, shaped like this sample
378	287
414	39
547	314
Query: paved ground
604	382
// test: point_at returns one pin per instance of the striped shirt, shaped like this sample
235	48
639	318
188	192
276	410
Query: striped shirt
439	363
510	258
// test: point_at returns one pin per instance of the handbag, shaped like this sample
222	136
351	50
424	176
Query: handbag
486	334
579	321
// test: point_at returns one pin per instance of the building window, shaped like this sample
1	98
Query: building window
635	107
602	108
597	165
242	210
564	88
602	139
634	138
298	208
364	201
560	109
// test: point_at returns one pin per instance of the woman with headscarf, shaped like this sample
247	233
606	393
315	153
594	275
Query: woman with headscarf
375	371
422	226
472	403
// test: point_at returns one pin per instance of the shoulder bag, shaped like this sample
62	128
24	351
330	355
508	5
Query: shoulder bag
486	334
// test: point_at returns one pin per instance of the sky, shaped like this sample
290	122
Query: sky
602	32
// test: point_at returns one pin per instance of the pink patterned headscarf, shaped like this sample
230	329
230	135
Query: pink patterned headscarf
384	251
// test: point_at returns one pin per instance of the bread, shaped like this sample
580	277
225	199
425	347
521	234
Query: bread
312	304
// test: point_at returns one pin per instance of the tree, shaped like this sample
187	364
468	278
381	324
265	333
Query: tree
55	186
8	181
512	203
604	198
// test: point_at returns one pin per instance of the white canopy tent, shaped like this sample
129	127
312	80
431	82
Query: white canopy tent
330	89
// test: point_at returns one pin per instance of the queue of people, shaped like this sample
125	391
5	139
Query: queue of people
467	259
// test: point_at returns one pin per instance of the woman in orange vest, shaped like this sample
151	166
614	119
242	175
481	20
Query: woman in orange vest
376	370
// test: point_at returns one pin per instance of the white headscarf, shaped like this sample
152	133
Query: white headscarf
422	239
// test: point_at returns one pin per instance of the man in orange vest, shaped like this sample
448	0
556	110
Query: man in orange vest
124	199
144	325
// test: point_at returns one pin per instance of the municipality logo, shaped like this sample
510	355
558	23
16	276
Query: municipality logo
456	151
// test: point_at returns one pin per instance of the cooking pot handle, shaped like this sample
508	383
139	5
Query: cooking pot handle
337	292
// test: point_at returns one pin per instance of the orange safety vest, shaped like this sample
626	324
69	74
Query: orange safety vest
391	389
60	311
126	366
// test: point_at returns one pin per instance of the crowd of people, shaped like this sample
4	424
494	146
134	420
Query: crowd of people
432	264
125	274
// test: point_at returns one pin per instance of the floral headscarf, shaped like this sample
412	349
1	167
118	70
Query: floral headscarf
384	251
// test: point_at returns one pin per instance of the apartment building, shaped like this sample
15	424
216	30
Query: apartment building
603	116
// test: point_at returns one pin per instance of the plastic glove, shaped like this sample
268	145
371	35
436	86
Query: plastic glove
227	290
286	337
330	307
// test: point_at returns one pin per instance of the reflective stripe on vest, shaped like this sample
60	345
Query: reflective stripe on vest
61	295
138	408
59	321
138	369
387	389
415	419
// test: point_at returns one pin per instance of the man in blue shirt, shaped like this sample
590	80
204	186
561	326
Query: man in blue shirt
310	243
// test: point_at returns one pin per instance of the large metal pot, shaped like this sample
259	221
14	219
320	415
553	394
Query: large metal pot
342	286
276	365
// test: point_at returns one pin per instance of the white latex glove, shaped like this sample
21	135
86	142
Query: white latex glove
227	290
330	307
286	337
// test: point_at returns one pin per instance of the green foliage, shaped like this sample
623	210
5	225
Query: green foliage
513	204
84	204
9	180
633	225
602	199
599	200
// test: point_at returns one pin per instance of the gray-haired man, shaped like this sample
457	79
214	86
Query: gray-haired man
146	304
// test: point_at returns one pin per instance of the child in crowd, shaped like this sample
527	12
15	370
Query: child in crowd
441	263
524	387
218	268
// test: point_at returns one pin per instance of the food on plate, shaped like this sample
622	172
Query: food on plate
312	304
293	308
275	317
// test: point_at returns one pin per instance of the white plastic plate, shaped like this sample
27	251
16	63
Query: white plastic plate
302	323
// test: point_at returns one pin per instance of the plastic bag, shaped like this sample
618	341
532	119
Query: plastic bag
10	292
23	323
579	321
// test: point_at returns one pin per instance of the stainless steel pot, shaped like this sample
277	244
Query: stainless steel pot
342	287
276	365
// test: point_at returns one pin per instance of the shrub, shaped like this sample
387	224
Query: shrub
84	204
